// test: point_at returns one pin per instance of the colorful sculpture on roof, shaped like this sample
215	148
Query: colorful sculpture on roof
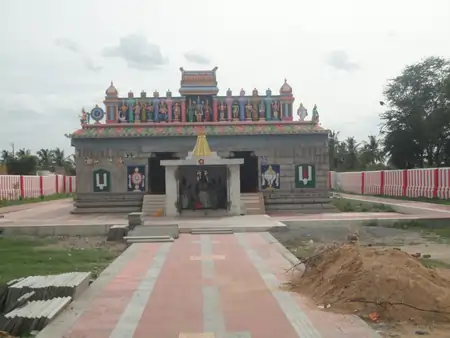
198	104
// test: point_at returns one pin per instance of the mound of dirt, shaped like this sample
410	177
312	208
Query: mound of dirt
363	280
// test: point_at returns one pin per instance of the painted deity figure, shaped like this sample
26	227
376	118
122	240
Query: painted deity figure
191	111
248	111
262	110
276	110
84	117
163	111
270	178
202	191
123	113
302	112
235	112
315	114
207	111
222	109
176	111
137	111
199	112
150	109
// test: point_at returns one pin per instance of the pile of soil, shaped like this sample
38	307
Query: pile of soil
362	280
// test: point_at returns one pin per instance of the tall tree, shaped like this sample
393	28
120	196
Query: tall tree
417	125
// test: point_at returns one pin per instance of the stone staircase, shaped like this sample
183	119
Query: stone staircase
152	203
314	203
97	203
253	203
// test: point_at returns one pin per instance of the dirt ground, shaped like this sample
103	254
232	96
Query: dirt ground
305	239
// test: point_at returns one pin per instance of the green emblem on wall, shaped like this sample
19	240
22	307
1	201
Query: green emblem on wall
101	180
305	176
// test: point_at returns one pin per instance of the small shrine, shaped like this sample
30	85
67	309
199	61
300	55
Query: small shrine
202	181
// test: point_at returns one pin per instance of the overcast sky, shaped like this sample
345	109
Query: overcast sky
59	56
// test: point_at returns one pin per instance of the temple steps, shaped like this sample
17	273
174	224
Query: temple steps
95	203
212	231
105	210
253	203
317	208
152	204
148	239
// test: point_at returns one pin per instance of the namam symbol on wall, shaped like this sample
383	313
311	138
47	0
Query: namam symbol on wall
270	176
136	178
101	180
305	176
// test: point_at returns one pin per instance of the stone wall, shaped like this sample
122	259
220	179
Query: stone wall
285	150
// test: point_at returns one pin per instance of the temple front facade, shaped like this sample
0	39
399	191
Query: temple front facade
200	153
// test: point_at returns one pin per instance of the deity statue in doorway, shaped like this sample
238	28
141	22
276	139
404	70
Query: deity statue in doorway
199	111
203	200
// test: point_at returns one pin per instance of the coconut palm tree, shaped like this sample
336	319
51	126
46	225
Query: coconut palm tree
46	158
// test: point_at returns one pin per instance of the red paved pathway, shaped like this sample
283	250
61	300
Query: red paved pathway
204	286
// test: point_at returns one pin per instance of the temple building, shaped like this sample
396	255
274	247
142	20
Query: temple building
200	152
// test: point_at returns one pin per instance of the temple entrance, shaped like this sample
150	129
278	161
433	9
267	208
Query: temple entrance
157	173
248	172
202	187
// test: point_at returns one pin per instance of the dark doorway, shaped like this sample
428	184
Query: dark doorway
157	173
249	171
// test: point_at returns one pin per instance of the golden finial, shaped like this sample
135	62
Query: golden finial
201	148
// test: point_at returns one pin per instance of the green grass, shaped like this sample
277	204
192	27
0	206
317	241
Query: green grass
21	257
345	205
434	263
7	203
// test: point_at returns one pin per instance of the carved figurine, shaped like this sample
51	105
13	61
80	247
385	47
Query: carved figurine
248	111
199	112
207	111
150	109
137	111
163	111
222	109
123	113
176	112
302	112
191	111
262	111
235	112
315	115
83	117
276	110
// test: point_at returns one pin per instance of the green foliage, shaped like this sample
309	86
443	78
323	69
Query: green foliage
415	128
346	205
23	257
23	162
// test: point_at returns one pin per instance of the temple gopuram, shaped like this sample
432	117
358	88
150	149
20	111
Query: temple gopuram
201	153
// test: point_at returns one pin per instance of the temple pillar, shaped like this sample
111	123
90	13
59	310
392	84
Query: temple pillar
268	109
183	110
215	119
242	105
235	189
156	110
169	110
171	192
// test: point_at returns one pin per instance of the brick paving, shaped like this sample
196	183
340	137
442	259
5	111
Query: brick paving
201	286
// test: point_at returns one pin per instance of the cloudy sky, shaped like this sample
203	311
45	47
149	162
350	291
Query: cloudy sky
59	56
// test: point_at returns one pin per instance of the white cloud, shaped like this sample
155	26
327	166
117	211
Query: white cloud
137	51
